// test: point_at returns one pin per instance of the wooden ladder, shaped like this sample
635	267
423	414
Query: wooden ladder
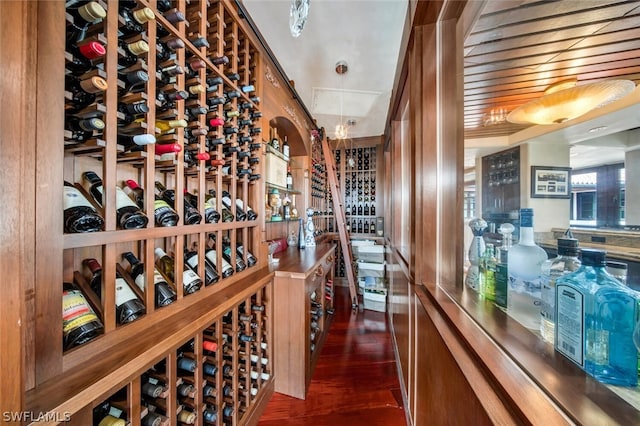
338	211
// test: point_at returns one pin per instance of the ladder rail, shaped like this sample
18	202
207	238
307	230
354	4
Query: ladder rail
338	211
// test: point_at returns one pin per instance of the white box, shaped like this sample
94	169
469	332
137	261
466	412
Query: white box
275	170
366	269
371	253
375	299
357	244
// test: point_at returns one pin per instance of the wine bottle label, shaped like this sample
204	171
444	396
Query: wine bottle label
189	277
140	281
123	292
122	199
115	412
74	198
193	262
76	312
161	206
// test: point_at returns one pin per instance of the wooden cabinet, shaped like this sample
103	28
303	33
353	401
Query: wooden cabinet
501	188
303	302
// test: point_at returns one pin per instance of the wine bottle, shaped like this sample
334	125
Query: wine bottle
210	213
165	295
219	60
85	14
170	126
133	21
210	274
134	81
128	306
167	149
83	91
226	201
80	324
192	157
165	50
132	52
128	214
226	254
165	264
212	256
132	112
168	75
226	214
136	142
82	129
251	259
289	178
191	214
79	213
285	151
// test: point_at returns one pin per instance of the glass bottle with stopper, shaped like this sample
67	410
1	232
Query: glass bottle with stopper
476	250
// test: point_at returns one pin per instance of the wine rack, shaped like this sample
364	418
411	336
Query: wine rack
158	133
321	197
160	102
214	377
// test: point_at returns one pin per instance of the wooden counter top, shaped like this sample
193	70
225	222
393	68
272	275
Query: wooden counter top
300	263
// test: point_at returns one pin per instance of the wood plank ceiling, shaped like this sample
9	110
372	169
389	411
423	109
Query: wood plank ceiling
518	48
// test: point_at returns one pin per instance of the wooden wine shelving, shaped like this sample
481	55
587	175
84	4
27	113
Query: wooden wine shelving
114	366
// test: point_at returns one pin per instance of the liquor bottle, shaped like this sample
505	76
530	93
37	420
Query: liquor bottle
487	271
128	306
79	213
210	274
567	261
82	128
596	317
373	209
366	209
83	91
372	227
212	256
525	269
301	240
80	324
289	178
502	274
128	213
359	209
165	295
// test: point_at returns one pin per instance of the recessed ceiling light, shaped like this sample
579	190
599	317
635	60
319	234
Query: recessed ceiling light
598	129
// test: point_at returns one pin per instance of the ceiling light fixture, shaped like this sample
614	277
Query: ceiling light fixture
342	130
495	116
564	101
298	16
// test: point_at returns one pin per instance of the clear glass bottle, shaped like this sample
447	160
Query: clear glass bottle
567	261
596	318
502	273
525	275
476	249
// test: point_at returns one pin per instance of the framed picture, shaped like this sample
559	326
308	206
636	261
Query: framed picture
550	182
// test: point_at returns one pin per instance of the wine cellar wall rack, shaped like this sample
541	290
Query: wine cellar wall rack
159	98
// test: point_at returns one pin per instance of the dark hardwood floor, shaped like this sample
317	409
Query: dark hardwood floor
355	381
